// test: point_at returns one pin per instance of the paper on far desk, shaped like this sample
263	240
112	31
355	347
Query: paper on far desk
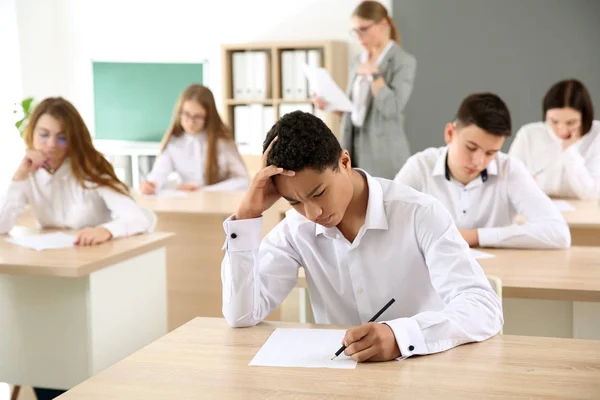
325	87
167	193
45	241
562	205
477	254
307	348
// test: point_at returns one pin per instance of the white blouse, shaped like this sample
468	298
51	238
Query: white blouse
361	87
186	155
59	201
574	172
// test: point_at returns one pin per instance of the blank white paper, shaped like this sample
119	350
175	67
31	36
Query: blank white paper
45	241
167	193
562	205
306	348
324	86
477	254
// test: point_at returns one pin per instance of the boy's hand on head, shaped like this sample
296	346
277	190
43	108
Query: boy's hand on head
92	236
471	236
262	193
371	342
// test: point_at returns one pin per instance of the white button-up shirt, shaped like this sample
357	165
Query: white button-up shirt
58	201
491	202
186	155
408	249
574	172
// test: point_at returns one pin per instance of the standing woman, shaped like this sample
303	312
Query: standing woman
563	152
381	80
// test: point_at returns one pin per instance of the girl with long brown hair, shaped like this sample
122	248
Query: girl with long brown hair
67	182
199	147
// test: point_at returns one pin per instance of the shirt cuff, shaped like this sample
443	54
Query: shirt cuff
114	228
242	235
408	336
488	237
573	155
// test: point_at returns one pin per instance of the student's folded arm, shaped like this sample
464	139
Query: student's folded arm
12	204
583	177
472	311
236	170
256	276
544	226
393	96
162	168
411	174
128	217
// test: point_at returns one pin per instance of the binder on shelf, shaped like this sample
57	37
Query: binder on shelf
241	123
269	120
313	60
249	75
260	67
300	84
287	75
238	65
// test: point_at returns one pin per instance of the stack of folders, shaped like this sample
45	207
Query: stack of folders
294	85
251	123
251	75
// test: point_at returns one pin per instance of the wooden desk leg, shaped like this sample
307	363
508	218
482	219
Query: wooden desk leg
15	393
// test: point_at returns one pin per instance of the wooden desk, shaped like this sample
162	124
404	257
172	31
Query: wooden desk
584	222
194	256
206	359
67	314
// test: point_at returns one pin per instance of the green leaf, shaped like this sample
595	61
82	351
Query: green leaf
26	103
19	123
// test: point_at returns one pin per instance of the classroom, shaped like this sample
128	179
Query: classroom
299	199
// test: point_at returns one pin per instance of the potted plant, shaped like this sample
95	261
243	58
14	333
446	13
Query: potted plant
24	109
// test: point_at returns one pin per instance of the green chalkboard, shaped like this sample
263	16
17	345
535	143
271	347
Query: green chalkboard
135	101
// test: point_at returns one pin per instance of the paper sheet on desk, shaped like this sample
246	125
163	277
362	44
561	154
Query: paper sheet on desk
325	87
478	254
307	348
562	205
45	241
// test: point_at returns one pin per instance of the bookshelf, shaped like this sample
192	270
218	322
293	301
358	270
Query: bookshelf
331	55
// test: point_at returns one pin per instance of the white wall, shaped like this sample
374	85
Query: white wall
76	32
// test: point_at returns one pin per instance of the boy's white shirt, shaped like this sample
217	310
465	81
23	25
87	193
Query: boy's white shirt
491	202
408	249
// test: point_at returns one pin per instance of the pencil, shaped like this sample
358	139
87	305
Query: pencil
389	303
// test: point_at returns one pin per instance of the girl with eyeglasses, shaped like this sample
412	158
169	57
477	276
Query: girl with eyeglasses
67	183
381	81
199	147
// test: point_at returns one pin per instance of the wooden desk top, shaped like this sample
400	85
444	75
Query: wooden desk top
202	202
585	215
206	359
74	262
568	275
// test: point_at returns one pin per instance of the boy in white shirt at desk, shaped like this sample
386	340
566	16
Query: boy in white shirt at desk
362	240
484	189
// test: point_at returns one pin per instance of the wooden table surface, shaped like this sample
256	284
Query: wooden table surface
206	359
77	261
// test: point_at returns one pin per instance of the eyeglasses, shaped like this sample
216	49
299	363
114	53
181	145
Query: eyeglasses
192	117
61	141
362	31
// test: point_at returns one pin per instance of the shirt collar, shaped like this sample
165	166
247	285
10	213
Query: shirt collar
375	218
364	56
441	168
63	172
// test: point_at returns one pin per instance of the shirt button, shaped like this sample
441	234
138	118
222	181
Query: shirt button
360	290
464	211
233	236
411	347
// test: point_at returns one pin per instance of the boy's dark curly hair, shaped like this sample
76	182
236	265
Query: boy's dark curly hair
304	141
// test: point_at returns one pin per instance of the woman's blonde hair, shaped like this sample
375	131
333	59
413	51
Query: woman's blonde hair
375	11
87	163
213	125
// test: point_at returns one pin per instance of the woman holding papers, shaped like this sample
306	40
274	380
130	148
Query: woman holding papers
199	147
67	182
563	153
381	80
